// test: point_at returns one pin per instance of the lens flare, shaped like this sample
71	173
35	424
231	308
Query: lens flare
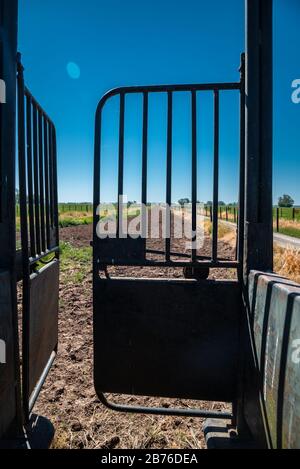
73	70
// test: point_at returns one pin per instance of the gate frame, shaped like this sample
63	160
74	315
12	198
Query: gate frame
258	237
100	264
8	45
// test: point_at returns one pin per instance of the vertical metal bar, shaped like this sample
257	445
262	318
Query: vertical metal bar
29	176
266	131
55	189
121	165
216	178
241	209
194	174
24	239
259	91
96	195
41	176
145	165
36	181
51	191
46	156
169	175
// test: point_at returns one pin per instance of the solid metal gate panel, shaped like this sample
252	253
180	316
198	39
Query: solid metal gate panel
43	321
169	338
40	242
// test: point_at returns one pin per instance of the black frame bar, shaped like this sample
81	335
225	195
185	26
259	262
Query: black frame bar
121	164
176	412
144	220
216	178
194	173
169	175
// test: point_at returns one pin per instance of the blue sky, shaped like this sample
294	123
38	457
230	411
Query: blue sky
74	51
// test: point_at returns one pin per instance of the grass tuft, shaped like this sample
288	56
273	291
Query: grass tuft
287	263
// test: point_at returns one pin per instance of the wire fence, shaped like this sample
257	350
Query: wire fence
285	219
68	207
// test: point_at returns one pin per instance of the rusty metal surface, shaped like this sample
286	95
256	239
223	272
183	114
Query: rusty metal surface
166	338
43	333
274	317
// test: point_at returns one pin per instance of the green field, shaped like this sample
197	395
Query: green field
74	214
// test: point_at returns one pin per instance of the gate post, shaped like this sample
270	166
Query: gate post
258	233
10	410
258	253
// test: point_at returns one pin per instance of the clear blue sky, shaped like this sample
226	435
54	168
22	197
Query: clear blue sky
119	42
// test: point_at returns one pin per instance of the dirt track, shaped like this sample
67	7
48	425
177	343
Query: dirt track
68	398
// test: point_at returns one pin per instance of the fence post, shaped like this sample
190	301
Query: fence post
211	215
277	219
293	213
259	138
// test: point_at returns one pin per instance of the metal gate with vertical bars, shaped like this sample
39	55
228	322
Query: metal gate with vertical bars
154	337
112	251
39	241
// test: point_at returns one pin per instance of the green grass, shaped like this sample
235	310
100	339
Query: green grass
286	213
75	262
70	253
74	219
290	231
75	222
77	218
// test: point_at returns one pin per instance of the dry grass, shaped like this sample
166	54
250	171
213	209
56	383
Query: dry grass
287	262
288	227
223	229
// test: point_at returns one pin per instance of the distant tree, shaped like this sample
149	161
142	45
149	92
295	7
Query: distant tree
286	201
222	203
209	203
184	201
17	196
131	203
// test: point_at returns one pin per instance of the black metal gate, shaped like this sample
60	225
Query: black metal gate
40	242
170	338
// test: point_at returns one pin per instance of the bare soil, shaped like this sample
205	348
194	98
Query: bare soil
68	398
